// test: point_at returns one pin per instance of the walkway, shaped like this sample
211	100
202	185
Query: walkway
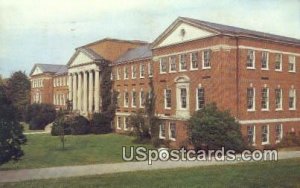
99	169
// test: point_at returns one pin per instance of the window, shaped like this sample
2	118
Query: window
172	131
162	131
119	99
182	62
278	62
292	99
133	102
200	98
118	73
206	59
142	99
126	73
194	60
278	99
168	101
265	60
183	98
265	134
265	98
126	123
163	65
133	71
142	70
119	122
251	99
250	59
251	134
173	64
292	64
278	132
150	70
126	99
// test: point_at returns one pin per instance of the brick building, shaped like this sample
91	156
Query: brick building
192	63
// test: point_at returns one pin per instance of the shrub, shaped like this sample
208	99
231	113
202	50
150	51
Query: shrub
59	123
39	115
79	125
140	128
289	140
100	124
211	128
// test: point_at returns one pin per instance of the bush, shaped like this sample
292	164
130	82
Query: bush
100	124
39	115
58	124
137	121
79	125
211	128
289	140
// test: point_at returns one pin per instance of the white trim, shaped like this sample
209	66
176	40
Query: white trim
141	100
170	61
142	76
160	67
281	101
268	135
179	62
170	138
254	101
126	105
160	132
206	67
118	125
149	68
191	61
267	61
269	50
122	114
165	99
268	100
125	124
253	63
281	133
257	121
133	106
294	63
278	70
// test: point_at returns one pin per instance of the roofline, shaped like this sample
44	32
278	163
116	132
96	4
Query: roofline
114	39
131	61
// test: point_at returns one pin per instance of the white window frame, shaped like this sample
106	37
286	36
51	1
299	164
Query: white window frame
142	71
133	71
268	135
160	130
280	102
132	104
141	100
150	70
165	99
293	62
180	101
280	61
281	133
191	61
197	98
267	60
253	61
126	73
295	97
118	122
126	105
170	64
268	100
125	124
118	73
160	65
253	106
170	134
203	59
186	66
254	135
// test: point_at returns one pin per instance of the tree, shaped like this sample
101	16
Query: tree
18	91
211	128
11	132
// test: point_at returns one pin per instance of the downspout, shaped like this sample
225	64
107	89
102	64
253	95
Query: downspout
237	78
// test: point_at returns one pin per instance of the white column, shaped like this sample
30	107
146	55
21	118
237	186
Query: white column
79	92
85	102
70	86
91	91
97	91
74	92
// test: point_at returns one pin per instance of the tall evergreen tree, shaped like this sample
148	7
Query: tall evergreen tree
18	91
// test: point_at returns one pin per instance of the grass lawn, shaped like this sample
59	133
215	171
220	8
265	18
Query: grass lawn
284	173
43	150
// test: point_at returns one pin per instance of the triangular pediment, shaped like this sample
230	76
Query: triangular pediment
36	70
80	58
182	32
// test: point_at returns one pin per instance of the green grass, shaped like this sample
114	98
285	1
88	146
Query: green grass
43	150
284	173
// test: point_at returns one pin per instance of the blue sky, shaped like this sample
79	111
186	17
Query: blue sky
48	31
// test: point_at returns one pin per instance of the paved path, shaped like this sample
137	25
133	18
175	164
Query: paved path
37	132
98	169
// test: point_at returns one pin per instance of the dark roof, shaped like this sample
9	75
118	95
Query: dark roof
51	68
139	53
62	70
225	29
